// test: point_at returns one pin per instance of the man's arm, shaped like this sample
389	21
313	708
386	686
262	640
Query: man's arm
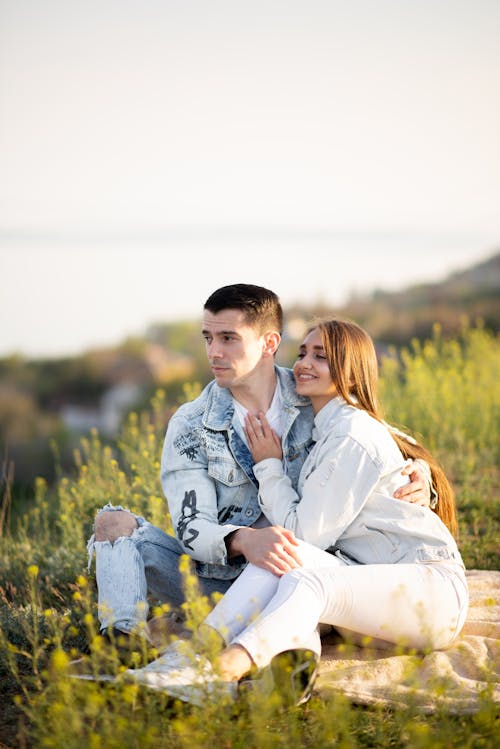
273	548
191	494
420	490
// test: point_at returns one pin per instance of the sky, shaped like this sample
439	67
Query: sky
153	150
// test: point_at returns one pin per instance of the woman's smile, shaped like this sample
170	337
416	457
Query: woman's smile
312	372
306	376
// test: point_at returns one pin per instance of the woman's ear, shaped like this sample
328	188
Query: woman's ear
272	341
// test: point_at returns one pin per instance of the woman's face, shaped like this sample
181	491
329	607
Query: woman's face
311	371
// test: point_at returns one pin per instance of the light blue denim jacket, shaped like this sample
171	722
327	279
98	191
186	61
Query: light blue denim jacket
207	471
344	502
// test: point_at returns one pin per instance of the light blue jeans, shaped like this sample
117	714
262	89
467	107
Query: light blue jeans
133	567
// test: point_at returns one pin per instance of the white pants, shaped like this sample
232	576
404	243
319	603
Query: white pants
420	605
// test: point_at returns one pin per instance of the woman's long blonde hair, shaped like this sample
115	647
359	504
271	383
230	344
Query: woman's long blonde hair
352	361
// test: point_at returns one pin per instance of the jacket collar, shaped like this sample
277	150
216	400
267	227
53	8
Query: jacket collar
323	419
220	408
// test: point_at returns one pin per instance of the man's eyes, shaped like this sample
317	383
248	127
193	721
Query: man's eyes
209	339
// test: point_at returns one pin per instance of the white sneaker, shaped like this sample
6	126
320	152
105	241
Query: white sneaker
188	678
177	655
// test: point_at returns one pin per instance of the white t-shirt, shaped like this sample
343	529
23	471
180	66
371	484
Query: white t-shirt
273	413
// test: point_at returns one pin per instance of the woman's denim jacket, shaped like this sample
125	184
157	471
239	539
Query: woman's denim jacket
344	498
207	472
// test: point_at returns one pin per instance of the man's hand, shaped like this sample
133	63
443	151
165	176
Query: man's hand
417	492
263	442
273	548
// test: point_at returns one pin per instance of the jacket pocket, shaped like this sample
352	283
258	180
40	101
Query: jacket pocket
227	473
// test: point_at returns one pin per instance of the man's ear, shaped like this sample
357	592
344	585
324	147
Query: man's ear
272	340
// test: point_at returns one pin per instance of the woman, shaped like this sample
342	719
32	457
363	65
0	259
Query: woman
372	565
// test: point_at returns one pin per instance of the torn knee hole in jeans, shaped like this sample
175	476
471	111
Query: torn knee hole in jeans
92	543
113	522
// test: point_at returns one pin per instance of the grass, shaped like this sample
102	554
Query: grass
445	391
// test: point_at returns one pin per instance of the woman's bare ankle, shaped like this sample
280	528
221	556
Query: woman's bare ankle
234	662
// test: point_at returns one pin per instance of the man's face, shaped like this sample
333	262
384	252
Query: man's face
235	349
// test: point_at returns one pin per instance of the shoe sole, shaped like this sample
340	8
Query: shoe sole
98	678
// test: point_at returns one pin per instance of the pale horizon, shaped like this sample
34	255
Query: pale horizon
138	280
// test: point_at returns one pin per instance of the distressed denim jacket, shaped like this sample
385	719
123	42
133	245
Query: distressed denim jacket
207	472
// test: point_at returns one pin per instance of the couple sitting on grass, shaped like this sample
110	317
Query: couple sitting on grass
296	501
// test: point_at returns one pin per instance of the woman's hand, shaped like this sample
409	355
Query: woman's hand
263	442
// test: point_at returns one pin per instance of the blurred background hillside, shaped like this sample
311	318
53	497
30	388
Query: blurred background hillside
345	155
46	405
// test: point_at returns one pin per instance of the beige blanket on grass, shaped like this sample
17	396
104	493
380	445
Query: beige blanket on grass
460	679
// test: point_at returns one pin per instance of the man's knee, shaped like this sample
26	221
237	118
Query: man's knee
109	526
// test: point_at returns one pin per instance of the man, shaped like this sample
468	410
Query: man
207	472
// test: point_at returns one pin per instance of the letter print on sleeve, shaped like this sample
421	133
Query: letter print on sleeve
189	513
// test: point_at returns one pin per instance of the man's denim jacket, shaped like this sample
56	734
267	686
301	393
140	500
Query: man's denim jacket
207	472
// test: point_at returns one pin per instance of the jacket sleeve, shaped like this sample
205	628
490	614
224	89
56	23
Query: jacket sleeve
423	465
428	475
333	494
191	494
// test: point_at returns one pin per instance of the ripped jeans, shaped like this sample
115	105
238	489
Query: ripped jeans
147	562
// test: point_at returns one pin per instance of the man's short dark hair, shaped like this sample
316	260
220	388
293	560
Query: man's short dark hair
260	306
